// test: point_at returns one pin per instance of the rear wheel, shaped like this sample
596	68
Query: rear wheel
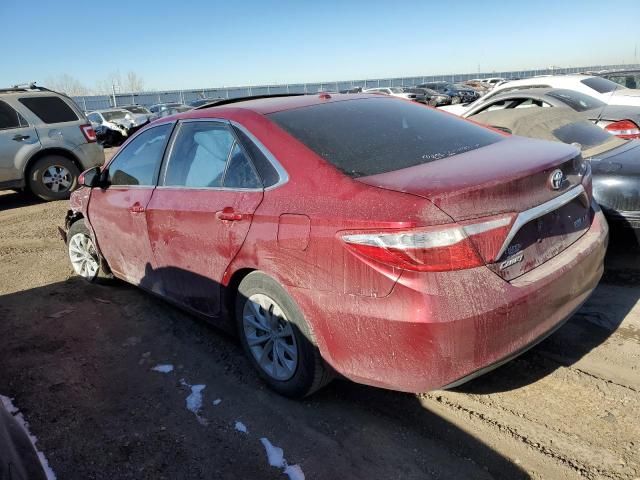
277	339
53	177
84	257
455	100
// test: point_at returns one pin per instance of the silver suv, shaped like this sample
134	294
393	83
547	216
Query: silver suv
45	142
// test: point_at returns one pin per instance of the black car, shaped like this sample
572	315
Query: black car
458	93
428	96
615	162
352	90
204	101
626	78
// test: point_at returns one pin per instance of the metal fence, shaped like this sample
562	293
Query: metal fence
96	102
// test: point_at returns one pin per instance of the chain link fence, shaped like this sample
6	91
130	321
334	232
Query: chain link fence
97	102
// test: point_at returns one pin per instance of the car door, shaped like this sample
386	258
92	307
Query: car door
117	212
18	141
200	214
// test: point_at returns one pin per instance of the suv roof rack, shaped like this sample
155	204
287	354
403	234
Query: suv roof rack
226	101
27	87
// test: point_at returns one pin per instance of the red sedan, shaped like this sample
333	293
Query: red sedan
374	237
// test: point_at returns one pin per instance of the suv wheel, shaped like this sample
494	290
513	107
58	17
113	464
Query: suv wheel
53	177
277	339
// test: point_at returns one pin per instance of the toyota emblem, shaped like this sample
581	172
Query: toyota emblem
556	179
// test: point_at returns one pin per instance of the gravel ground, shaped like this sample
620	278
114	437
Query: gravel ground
78	361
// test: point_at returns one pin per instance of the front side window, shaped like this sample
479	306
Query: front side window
49	109
139	161
9	118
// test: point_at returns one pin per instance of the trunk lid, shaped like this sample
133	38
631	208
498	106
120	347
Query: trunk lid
512	178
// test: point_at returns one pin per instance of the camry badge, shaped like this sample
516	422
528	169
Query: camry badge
556	179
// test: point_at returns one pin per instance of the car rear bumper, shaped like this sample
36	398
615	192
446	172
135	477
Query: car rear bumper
439	329
90	155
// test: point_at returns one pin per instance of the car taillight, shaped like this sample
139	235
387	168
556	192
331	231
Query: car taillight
624	129
88	132
434	249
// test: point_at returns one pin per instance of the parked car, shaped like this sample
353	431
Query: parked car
600	88
203	101
397	245
615	161
458	94
394	92
140	113
45	142
620	120
172	110
352	90
158	107
626	78
114	125
428	96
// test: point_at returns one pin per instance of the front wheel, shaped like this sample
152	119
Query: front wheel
455	100
84	257
277	339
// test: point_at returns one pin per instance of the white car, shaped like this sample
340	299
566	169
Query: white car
393	91
604	90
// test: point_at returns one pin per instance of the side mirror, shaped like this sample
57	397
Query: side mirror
91	178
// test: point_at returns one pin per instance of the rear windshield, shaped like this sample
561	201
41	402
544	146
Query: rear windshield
576	100
584	133
378	135
50	109
137	109
601	85
114	115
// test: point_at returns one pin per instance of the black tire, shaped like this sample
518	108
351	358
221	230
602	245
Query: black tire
43	185
103	274
455	100
311	372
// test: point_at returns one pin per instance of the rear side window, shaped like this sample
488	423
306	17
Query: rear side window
139	162
378	135
601	85
9	118
265	168
50	109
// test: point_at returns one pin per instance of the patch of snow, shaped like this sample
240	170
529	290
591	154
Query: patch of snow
163	368
217	401
241	427
294	472
13	410
194	400
275	455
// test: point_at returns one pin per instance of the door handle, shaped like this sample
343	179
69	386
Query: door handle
19	138
136	209
229	214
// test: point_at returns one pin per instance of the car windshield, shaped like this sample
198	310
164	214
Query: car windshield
136	109
576	100
377	135
114	115
601	85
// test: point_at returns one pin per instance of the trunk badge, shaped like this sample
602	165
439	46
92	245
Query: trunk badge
556	179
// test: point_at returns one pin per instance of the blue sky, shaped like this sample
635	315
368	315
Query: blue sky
187	44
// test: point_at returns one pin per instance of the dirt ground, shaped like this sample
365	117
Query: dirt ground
77	359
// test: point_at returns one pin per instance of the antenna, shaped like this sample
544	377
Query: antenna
606	104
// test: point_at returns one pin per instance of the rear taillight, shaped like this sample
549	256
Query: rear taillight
434	249
88	132
624	129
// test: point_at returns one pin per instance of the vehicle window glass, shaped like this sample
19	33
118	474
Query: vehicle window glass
266	171
576	100
199	155
49	109
94	117
584	133
526	103
10	118
601	85
240	173
139	161
377	135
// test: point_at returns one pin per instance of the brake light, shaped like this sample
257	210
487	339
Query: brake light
624	129
88	132
434	249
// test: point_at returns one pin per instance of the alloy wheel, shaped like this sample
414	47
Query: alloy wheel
57	179
270	337
83	256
